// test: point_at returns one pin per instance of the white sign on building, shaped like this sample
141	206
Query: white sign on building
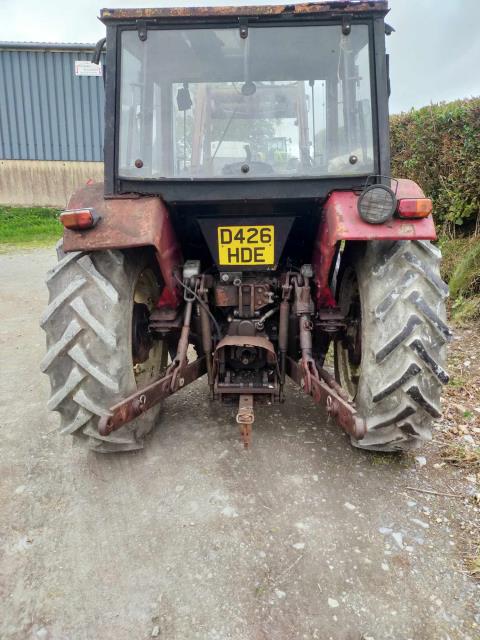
87	68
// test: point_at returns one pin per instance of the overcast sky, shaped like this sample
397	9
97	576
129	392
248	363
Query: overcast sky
435	51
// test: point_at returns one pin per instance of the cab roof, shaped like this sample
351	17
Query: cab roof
321	7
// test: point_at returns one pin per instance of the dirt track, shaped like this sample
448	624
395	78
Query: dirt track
302	537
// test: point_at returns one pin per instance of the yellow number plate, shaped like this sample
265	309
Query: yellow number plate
246	246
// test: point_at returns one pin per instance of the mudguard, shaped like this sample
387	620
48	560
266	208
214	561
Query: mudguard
127	223
341	221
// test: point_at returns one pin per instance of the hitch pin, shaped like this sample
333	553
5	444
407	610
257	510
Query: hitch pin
245	418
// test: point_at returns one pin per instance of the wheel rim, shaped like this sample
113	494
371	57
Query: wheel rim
148	353
348	349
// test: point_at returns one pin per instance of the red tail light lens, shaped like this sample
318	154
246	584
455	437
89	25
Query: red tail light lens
79	219
414	207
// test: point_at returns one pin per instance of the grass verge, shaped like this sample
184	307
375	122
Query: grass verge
461	270
28	226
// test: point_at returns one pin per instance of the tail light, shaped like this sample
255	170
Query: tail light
79	219
414	207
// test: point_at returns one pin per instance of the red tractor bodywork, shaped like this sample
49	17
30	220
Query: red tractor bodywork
341	221
129	223
139	221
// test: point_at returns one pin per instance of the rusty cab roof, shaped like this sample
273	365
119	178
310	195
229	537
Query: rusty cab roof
320	8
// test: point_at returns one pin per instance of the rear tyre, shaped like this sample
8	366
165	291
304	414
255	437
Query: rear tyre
93	321
392	359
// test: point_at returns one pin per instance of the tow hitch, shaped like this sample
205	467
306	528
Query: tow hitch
264	383
245	418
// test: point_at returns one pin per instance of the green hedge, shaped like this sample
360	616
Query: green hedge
439	147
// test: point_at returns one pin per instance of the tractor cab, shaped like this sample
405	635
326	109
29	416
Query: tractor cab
203	103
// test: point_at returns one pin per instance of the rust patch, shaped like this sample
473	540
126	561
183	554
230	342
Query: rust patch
406	229
342	411
226	296
332	6
127	223
144	399
247	341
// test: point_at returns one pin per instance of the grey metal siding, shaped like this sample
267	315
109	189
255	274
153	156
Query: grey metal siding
46	112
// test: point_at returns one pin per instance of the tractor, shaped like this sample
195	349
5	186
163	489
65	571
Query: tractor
248	230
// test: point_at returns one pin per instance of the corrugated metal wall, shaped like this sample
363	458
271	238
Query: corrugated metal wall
46	112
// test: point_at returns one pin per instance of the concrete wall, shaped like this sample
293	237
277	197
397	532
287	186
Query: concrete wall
44	182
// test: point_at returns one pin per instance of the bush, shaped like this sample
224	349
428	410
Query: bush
465	280
461	269
452	251
439	147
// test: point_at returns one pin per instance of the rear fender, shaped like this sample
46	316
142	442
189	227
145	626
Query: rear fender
128	223
341	221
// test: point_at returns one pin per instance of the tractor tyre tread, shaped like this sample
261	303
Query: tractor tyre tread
404	336
87	325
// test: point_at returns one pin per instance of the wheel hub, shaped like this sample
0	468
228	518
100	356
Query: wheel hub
142	340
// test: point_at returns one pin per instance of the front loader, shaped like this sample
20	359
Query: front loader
248	226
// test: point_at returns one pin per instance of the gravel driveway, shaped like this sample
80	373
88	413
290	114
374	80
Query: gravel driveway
193	537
